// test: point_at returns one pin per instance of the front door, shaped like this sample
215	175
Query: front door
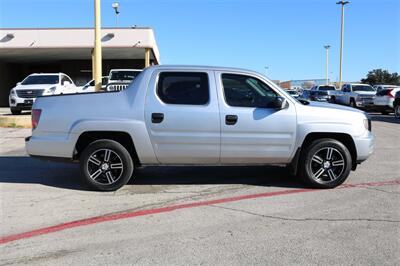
253	130
182	117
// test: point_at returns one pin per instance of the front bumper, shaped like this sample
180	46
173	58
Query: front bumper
16	102
365	103
365	146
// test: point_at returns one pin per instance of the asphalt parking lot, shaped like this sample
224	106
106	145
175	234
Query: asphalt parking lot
200	215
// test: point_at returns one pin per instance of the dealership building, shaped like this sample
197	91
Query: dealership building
69	50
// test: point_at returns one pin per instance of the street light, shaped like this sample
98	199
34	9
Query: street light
327	60
343	3
116	9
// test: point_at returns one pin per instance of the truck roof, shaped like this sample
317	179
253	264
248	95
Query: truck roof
46	74
199	67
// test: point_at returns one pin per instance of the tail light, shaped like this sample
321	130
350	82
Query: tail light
35	117
389	93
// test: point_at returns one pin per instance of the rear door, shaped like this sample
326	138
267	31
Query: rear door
253	131
182	117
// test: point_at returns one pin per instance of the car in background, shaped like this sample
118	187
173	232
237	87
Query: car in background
305	95
294	93
380	87
396	104
24	94
89	87
325	92
119	79
384	99
356	95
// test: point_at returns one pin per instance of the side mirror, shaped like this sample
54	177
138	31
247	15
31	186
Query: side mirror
18	83
280	103
66	83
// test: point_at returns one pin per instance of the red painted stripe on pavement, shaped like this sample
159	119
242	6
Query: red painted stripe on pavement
105	218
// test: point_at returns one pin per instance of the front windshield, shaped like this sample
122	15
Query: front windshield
124	75
362	88
326	88
40	79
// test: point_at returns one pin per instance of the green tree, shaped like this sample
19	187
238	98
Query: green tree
380	76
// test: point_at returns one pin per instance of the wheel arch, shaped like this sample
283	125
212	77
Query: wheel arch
344	138
124	138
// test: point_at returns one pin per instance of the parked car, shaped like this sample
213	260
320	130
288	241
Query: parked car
89	87
323	93
305	95
293	93
380	87
396	104
356	95
384	100
119	79
23	95
188	115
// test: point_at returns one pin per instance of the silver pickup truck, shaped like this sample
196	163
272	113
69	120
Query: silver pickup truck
191	115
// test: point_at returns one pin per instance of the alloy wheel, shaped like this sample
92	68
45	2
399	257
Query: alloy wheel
105	166
327	165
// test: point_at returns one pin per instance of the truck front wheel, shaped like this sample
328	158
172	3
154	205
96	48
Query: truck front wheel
325	163
106	165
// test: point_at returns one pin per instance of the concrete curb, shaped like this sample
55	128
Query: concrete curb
21	121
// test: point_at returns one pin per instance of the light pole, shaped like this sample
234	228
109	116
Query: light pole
116	8
327	60
343	3
97	46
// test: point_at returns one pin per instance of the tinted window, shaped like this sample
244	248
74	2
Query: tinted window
65	78
246	91
183	88
40	79
326	88
362	88
124	75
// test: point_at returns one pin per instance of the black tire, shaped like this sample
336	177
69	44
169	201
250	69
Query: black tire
309	163
15	111
353	103
109	179
397	111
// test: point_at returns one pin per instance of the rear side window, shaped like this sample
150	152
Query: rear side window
183	88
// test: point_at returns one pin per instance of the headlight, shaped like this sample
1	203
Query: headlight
51	90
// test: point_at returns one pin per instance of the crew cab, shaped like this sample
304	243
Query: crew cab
193	115
119	79
24	93
356	95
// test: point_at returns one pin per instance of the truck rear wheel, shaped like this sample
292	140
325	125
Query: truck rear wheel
325	163
106	165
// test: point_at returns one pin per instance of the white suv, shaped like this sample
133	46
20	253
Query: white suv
24	93
384	99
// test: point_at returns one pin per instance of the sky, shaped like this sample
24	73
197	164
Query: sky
283	39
